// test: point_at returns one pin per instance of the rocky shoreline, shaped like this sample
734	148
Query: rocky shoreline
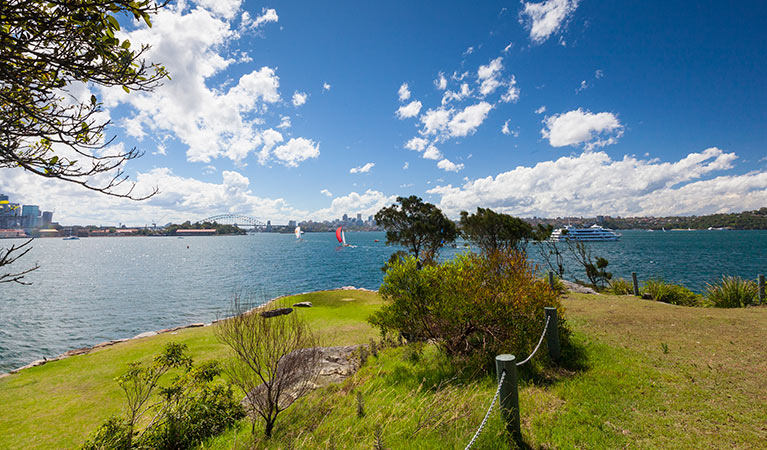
84	350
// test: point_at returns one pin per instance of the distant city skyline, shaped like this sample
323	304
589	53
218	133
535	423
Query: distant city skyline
553	108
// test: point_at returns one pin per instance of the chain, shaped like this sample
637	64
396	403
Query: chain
487	415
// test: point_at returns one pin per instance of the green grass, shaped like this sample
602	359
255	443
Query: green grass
658	376
58	404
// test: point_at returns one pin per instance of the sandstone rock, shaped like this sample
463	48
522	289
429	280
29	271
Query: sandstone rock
276	312
577	288
145	334
303	304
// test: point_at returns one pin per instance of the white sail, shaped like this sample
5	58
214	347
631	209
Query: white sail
343	237
298	232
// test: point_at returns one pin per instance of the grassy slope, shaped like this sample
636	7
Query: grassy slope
708	387
58	404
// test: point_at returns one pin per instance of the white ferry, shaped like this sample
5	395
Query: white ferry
590	234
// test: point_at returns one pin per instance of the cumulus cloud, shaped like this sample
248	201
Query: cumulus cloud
285	122
297	150
488	75
541	110
197	44
417	144
546	18
410	110
325	87
362	169
467	121
406	165
326	193
441	82
432	152
367	203
593	183
582	127
505	128
299	98
449	166
512	91
403	92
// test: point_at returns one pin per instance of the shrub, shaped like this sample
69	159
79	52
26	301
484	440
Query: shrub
473	307
621	287
671	293
190	409
732	292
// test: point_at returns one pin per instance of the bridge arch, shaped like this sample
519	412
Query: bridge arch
240	220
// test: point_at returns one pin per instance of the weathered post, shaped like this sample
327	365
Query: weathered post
551	280
636	283
552	333
509	395
761	289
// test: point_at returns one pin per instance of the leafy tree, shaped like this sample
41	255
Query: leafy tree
47	47
493	231
419	226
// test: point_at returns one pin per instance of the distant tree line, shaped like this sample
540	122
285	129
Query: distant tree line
746	220
220	228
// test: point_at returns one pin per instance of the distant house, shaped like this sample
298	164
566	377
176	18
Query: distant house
12	233
202	232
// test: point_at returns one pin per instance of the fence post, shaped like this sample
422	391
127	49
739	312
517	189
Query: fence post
551	280
552	333
636	283
509	395
761	289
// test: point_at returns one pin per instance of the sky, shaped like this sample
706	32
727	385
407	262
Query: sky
311	110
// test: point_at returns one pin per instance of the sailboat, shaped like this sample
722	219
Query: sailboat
298	232
71	237
342	237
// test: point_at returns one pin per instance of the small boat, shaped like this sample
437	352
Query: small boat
298	232
376	240
71	237
594	233
342	237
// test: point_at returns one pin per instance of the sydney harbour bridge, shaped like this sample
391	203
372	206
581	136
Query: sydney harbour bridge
239	220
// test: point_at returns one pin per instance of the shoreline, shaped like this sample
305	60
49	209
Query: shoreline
85	350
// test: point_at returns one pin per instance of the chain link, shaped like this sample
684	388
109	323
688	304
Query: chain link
539	343
487	415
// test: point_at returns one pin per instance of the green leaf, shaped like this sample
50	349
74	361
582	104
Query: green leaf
113	22
126	89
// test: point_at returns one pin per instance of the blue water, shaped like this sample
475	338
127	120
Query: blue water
96	289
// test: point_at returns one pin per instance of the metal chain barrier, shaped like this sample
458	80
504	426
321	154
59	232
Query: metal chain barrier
487	415
537	346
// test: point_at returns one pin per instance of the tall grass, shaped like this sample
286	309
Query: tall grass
732	292
621	287
675	294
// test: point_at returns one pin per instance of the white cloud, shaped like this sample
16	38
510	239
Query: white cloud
598	74
367	203
417	144
593	183
441	82
285	122
468	51
410	110
197	44
299	98
541	110
297	150
512	92
325	87
456	96
449	166
267	16
270	138
432	152
467	121
326	193
508	47
435	121
362	169
403	92
488	75
583	86
505	128
405	167
546	18
582	127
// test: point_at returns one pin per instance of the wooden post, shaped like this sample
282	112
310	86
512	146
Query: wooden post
552	333
509	395
636	283
551	280
761	289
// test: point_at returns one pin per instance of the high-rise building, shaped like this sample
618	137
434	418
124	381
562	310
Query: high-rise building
47	219
346	218
359	217
291	223
30	216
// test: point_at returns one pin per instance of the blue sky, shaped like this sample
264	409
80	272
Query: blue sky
308	110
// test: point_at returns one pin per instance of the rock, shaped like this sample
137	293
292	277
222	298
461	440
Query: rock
303	304
145	334
276	312
647	296
577	288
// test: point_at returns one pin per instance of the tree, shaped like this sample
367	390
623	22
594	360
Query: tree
419	226
275	360
8	256
549	250
48	47
492	231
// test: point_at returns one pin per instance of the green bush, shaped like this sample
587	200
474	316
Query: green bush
473	307
621	287
190	409
671	293
732	292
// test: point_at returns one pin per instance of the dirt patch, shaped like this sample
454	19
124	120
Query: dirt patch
348	299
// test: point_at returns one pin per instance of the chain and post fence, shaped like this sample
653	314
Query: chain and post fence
506	374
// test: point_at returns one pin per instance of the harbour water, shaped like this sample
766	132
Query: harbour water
97	289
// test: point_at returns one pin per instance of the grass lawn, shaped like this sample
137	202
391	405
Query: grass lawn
658	376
